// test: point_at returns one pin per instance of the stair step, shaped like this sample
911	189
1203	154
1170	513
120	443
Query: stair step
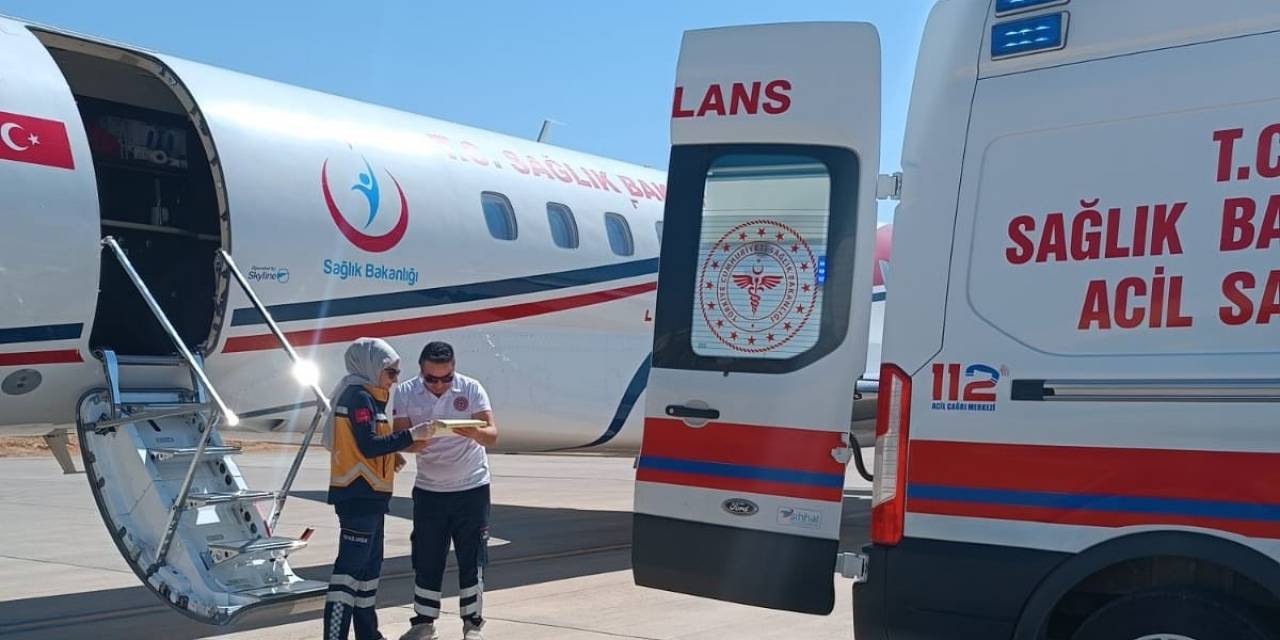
160	454
292	590
172	360
223	551
152	413
155	397
214	498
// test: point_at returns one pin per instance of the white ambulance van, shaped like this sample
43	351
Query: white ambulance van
1078	431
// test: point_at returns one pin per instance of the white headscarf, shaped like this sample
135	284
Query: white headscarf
365	359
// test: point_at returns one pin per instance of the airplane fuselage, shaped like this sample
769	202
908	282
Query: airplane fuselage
349	219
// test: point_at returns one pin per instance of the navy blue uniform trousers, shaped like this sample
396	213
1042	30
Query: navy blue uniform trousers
461	517
353	589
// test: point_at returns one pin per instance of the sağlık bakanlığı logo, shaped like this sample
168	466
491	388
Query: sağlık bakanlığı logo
367	185
759	286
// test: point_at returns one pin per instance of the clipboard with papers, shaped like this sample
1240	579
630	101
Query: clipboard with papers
449	425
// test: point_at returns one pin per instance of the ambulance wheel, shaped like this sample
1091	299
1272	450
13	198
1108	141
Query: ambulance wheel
1172	615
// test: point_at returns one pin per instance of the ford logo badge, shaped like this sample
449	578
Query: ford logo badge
740	507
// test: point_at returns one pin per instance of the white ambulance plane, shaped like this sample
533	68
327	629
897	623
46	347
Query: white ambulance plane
1078	434
220	191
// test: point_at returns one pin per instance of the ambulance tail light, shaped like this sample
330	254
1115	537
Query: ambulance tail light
893	415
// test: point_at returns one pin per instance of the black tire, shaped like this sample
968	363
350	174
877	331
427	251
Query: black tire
1177	613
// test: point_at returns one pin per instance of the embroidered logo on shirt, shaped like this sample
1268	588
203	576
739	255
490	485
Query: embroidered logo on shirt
363	414
461	403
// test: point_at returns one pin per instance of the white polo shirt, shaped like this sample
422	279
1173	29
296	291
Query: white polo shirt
450	462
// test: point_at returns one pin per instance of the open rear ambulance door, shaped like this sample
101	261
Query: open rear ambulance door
762	315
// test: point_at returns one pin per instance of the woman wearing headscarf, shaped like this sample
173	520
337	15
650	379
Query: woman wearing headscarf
363	462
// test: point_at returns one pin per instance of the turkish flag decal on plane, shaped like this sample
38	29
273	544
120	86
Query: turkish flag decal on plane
35	140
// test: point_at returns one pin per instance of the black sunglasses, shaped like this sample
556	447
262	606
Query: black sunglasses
434	380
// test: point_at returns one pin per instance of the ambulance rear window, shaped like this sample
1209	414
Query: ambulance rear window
764	235
757	270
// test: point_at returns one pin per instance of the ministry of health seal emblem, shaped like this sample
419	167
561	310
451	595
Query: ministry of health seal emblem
758	286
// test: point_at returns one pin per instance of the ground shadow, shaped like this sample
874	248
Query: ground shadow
546	544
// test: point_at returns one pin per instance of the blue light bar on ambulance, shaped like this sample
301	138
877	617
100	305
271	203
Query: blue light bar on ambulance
1029	35
1006	7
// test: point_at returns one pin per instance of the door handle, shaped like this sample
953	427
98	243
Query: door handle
699	413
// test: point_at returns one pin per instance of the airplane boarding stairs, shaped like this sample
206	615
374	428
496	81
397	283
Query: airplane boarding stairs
168	487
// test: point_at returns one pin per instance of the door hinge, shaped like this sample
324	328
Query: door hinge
853	566
889	186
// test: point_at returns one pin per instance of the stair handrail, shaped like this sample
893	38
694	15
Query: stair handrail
221	413
301	366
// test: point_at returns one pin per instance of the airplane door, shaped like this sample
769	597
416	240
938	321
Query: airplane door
49	245
762	315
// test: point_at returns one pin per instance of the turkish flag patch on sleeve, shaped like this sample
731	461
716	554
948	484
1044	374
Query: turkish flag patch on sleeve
363	414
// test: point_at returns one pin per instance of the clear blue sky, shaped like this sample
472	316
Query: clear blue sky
604	69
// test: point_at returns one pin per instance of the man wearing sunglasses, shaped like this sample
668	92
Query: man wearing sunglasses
451	492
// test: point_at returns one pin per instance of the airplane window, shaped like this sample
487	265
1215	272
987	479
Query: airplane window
499	215
564	229
619	234
658	226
